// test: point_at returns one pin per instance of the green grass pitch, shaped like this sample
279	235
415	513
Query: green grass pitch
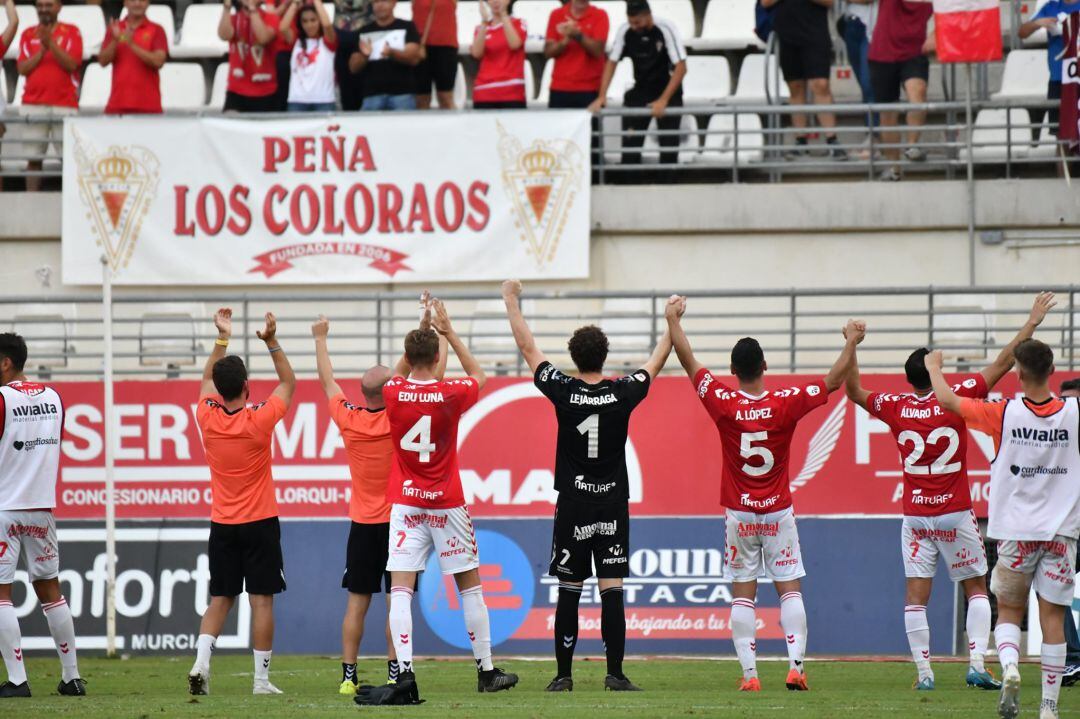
150	687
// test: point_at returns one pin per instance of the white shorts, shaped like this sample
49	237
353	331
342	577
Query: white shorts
40	134
953	537
1052	566
415	532
762	545
33	535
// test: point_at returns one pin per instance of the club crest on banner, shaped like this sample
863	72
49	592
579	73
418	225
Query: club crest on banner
117	187
541	181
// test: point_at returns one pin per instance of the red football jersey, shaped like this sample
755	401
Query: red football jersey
424	419
252	68
755	434
50	83
933	447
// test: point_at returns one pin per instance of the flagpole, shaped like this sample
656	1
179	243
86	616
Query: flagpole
110	444
970	184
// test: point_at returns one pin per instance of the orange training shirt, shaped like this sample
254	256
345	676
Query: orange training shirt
370	449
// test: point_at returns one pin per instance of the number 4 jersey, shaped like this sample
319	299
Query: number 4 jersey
424	418
933	447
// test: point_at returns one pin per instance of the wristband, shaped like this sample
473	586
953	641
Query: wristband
272	350
221	343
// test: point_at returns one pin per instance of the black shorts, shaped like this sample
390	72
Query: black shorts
246	557
440	68
887	78
365	559
806	60
587	532
243	103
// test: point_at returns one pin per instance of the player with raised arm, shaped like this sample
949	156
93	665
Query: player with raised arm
592	515
245	535
428	509
939	521
756	427
1034	512
31	425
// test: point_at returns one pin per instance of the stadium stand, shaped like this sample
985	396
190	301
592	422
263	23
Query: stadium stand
27	16
91	23
727	25
198	33
1006	132
750	87
183	86
708	80
163	15
535	15
719	146
219	87
1025	77
689	144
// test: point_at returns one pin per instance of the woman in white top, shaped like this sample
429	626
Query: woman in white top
311	85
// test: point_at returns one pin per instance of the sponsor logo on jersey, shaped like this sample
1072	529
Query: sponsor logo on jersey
968	383
438	521
596	528
758	529
407	490
747	501
592	487
1029	472
1058	549
35	410
1040	435
31	389
964	558
597	401
813	390
917	497
454	548
640	376
753	415
941	535
28	530
32	444
703	386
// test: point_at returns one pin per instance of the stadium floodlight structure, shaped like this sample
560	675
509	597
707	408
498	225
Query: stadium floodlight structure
110	449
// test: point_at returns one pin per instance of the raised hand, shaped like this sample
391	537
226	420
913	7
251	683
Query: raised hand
441	320
511	288
1044	302
223	322
676	307
320	327
934	360
855	330
268	333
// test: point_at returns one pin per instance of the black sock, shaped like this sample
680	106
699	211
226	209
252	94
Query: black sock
566	626
348	672
393	669
613	628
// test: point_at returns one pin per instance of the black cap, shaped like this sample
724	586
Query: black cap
637	7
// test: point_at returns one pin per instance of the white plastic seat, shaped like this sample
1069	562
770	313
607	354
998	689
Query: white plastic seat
48	330
219	87
728	25
402	11
3	91
96	87
20	86
621	81
198	33
468	17
91	23
707	81
616	15
689	145
964	321
719	145
628	324
461	87
535	14
1007	132
27	15
183	86
163	15
168	334
1026	76
750	88
530	83
679	13
543	93
1047	145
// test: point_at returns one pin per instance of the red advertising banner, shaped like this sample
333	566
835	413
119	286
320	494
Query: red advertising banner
843	462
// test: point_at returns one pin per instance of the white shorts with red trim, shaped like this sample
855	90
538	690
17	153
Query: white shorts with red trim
762	545
1051	566
953	537
416	532
31	534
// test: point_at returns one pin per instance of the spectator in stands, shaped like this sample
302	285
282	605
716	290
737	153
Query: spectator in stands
499	48
856	26
659	58
1046	16
386	56
309	30
898	58
576	36
250	33
282	52
137	48
802	27
436	21
6	38
50	54
350	16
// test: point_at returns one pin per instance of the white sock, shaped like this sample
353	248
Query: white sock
1008	643
262	665
478	626
743	629
918	636
1053	664
62	628
204	647
11	643
978	629
401	625
793	621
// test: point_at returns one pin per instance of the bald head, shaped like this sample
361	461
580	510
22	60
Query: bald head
371	384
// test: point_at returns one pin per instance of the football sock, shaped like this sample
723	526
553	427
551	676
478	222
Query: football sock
262	665
566	626
743	630
1053	664
62	628
348	672
793	621
978	629
613	628
478	626
204	647
392	670
401	625
1008	643
918	636
11	643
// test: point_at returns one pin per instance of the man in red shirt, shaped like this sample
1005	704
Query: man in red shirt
436	20
938	516
756	426
576	37
250	33
137	48
50	54
5	42
428	505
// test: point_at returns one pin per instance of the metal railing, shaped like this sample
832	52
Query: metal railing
164	335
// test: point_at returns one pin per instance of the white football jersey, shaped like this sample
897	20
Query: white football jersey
33	420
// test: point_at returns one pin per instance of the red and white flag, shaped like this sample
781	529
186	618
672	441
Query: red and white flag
1069	127
967	30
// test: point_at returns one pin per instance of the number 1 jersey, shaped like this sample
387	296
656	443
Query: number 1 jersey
424	418
755	434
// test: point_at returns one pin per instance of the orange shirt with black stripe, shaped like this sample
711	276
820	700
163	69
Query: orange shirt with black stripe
370	450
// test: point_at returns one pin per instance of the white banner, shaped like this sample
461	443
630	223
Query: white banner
353	199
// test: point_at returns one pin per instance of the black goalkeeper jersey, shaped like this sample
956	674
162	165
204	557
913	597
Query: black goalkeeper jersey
594	419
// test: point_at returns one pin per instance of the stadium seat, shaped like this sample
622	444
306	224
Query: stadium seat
964	325
163	15
530	83
1026	76
198	33
689	142
628	324
468	17
719	144
402	10
168	334
616	12
27	15
461	87
708	80
543	93
20	85
219	87
490	338
3	90
1008	133
621	81
1047	145
535	15
48	330
183	86
679	13
750	88
728	25
91	23
96	87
